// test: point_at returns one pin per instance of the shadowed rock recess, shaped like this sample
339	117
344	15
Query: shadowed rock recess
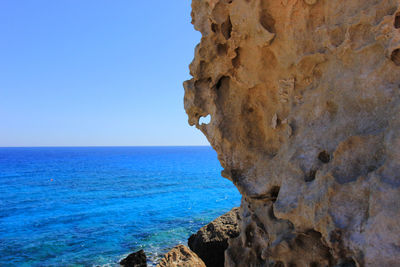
211	241
304	103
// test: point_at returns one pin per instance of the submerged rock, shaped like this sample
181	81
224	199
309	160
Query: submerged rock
304	102
135	259
181	256
211	241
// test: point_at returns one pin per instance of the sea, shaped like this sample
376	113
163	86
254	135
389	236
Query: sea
92	206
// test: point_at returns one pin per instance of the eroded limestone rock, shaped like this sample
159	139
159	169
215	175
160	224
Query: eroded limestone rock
304	103
211	241
181	256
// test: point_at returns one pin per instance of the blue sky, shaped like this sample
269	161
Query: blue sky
95	72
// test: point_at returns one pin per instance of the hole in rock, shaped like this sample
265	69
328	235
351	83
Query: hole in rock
205	119
267	21
310	176
395	57
236	60
218	84
214	27
222	49
226	28
271	213
274	192
324	157
223	80
397	21
314	234
314	264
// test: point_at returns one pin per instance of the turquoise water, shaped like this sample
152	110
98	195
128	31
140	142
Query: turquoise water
91	206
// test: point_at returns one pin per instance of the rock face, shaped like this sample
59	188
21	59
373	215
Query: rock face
304	103
136	259
181	256
211	241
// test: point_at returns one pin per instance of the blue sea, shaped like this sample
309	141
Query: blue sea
91	206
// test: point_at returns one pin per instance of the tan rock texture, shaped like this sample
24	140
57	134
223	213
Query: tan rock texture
304	103
181	256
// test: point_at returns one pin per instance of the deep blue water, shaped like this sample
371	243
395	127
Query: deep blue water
91	206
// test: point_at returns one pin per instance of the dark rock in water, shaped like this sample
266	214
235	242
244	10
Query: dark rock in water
181	256
210	242
136	259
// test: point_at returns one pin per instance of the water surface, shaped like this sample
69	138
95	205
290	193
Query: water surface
86	206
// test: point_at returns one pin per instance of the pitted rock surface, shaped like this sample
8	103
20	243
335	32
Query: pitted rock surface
304	103
181	256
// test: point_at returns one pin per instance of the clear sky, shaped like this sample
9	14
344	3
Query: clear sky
95	72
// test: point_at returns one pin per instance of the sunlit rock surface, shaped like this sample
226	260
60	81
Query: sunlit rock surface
304	103
181	256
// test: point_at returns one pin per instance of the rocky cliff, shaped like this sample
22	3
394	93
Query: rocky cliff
304	103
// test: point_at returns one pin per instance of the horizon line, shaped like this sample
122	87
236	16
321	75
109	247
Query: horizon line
50	146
